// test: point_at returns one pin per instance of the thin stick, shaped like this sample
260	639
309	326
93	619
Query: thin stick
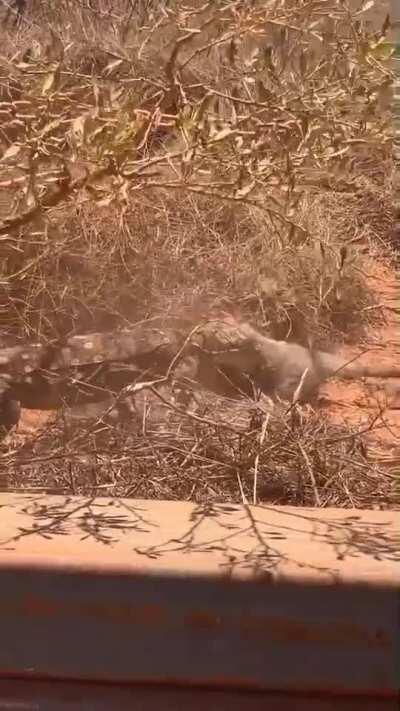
311	475
243	495
257	458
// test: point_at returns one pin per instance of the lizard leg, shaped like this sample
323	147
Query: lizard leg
10	411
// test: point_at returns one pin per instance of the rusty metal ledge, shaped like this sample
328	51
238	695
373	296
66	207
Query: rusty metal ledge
56	696
287	599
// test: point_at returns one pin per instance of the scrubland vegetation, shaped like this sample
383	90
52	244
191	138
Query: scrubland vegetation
195	158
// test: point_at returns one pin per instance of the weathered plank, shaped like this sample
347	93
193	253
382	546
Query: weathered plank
50	696
139	591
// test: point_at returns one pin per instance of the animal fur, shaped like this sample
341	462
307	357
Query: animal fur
224	356
288	370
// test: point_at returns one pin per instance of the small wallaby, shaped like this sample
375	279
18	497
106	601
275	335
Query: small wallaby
279	368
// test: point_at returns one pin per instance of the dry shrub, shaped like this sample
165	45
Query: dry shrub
92	270
221	451
149	168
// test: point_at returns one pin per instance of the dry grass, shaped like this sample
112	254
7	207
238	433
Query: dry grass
222	451
150	169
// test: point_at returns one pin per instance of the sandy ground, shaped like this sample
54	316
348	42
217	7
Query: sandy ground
359	403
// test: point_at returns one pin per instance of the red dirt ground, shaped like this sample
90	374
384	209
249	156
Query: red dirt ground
354	403
359	402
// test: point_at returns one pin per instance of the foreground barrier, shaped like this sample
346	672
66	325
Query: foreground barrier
297	607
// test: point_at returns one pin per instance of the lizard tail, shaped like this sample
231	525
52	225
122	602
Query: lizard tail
351	369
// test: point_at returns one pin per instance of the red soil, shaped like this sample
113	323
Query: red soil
358	403
354	403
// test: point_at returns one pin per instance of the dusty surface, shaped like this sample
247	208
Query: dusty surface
32	421
285	542
374	401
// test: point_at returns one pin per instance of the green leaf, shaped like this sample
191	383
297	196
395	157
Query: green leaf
112	66
11	152
79	129
365	6
382	50
48	83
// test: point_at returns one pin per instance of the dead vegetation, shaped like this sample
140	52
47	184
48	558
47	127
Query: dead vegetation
195	158
222	451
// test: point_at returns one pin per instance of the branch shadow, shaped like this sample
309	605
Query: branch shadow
238	538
